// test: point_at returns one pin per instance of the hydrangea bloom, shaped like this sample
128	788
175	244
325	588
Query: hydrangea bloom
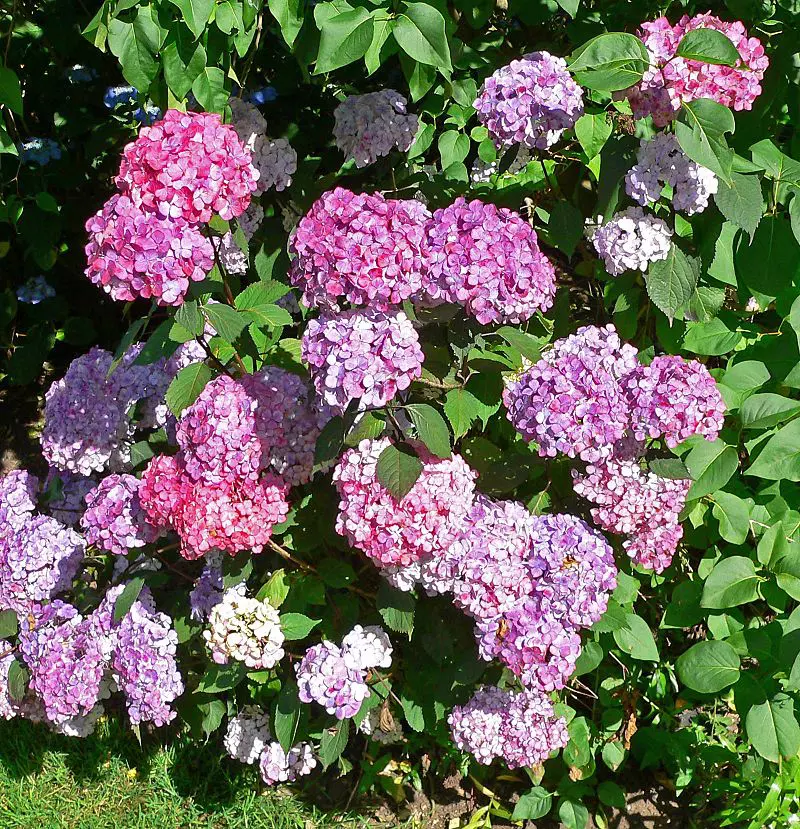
571	401
660	161
530	101
367	647
189	165
323	677
368	126
35	290
631	240
8	707
421	526
18	489
362	248
132	253
232	258
572	567
487	258
671	81
39	151
674	398
250	220
539	648
208	589
66	494
122	96
276	162
289	419
244	629
639	504
519	727
248	735
217	434
278	766
37	561
114	519
368	355
248	122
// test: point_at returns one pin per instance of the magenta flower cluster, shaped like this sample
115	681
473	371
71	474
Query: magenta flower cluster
146	241
671	81
531	101
365	355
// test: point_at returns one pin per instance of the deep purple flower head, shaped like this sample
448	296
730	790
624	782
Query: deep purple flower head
359	248
114	519
530	101
571	401
367	355
487	259
323	677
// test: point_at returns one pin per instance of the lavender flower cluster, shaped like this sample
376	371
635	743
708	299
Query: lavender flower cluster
631	240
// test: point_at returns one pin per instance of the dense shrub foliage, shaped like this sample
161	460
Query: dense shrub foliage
422	396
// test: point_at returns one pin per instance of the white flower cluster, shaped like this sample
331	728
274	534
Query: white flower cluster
631	240
244	629
661	161
274	158
231	256
248	735
369	126
367	647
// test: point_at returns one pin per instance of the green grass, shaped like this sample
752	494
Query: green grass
108	781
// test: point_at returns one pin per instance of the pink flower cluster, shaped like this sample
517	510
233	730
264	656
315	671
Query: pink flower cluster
530	101
146	240
364	355
671	81
421	526
519	727
487	259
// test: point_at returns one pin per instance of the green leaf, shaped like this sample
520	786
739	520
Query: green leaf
286	715
186	387
130	593
462	409
345	39
10	90
772	728
135	46
213	712
297	626
771	262
733	514
209	89
732	582
384	26
396	608
710	338
289	15
711	465
671	281
431	428
705	304
636	639
453	147
420	33
527	345
741	201
256	303
329	443
780	457
333	743
227	321
613	754
708	46
222	678
533	804
195	14
761	411
592	132
17	680
608	62
275	590
398	469
778	166
708	667
669	468
183	61
565	226
611	794
787	568
413	713
189	316
573	814
570	6
8	625
701	135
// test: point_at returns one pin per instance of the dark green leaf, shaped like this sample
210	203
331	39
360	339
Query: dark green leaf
130	593
708	46
17	680
610	61
462	409
431	428
732	582
420	32
289	14
227	321
333	743
741	201
135	46
396	608
533	804
761	411
186	387
8	625
708	667
780	457
398	469
636	639
733	514
773	729
771	262
711	465
286	715
565	226
195	14
222	678
345	38
701	135
10	90
671	281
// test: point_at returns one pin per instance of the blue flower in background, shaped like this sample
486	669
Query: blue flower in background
265	95
36	289
39	151
80	74
120	96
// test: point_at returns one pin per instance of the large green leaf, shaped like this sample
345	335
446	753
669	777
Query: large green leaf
431	428
186	387
710	338
345	38
708	667
462	409
733	514
592	132
333	742
708	46
135	45
289	15
209	89
636	639
671	281
771	262
741	201
711	465
780	457
10	90
761	411
183	61
610	61
732	582
420	32
195	14
398	468
396	608
286	715
778	165
701	135
772	728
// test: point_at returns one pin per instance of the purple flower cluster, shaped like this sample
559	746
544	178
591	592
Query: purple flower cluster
631	240
362	248
369	126
487	259
364	355
208	588
68	504
114	519
659	161
18	490
530	101
522	728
